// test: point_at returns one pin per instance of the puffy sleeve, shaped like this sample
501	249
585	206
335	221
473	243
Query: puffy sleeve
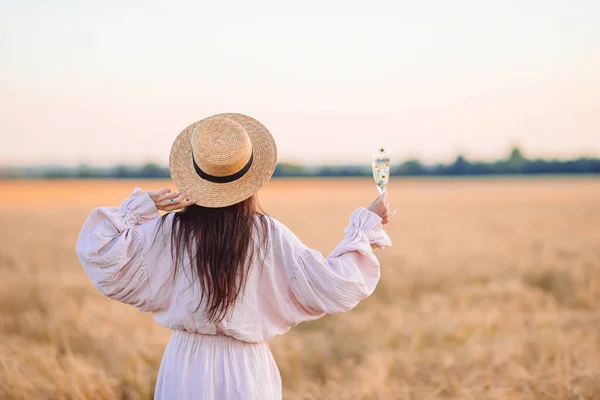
111	251
336	283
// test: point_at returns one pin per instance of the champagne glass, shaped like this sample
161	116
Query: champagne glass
381	169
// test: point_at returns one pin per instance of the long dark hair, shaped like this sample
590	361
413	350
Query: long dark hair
220	244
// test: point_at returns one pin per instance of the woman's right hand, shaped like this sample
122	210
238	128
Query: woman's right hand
166	200
381	207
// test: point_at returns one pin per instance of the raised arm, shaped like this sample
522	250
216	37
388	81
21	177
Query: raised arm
110	246
338	282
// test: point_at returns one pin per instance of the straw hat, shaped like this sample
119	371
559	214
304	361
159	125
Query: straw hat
222	160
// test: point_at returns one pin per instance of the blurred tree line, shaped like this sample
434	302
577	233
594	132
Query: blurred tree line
515	164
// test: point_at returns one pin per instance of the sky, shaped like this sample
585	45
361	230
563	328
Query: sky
105	82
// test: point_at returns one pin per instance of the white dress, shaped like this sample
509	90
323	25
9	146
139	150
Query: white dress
128	261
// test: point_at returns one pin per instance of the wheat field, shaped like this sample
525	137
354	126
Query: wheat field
491	291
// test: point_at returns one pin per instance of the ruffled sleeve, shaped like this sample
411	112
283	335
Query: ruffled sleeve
111	251
348	275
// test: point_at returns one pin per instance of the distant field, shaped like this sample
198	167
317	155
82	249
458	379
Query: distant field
491	291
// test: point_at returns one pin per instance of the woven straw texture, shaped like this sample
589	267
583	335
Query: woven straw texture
221	146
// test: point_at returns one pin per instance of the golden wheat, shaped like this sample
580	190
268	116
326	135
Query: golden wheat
491	291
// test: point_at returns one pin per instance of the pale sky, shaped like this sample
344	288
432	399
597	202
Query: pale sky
107	82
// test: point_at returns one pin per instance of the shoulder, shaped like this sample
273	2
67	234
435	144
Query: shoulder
277	227
283	236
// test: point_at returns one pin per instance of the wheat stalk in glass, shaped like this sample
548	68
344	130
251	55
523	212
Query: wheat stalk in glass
381	169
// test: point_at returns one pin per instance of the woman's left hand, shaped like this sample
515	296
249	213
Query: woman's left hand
166	200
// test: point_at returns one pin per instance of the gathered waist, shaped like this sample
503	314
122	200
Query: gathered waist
213	340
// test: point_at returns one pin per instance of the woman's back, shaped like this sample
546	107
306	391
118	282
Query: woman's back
221	282
287	283
128	254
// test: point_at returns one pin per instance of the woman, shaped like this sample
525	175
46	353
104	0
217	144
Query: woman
224	277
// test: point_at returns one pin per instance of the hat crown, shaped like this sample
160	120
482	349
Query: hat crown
221	146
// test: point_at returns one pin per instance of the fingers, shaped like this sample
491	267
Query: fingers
387	217
383	198
169	199
174	201
177	206
166	200
381	207
380	198
155	195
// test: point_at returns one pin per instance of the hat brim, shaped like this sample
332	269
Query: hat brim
214	195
